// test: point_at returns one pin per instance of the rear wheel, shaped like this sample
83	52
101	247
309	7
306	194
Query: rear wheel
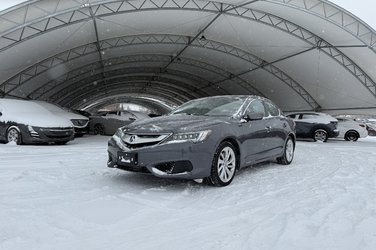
98	129
13	135
224	165
288	153
320	135
351	136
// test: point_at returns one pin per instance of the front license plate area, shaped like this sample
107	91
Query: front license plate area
127	159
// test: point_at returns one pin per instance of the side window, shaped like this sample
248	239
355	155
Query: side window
271	109
309	116
255	106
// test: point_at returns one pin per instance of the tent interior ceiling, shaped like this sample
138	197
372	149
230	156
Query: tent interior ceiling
302	54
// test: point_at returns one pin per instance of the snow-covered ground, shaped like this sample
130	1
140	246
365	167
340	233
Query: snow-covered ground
64	197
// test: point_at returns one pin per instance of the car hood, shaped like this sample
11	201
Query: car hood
175	123
71	116
45	119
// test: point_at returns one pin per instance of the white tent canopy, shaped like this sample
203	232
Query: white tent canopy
302	54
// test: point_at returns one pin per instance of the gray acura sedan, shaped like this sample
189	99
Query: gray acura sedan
208	138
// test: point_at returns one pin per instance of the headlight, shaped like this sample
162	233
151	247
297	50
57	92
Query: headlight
192	136
119	133
32	132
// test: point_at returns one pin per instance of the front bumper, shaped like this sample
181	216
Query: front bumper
48	135
183	160
333	133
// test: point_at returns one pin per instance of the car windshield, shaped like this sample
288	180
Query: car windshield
215	106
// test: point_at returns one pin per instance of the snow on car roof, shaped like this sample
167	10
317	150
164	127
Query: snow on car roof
30	113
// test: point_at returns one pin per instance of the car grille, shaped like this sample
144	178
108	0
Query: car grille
79	122
57	132
134	141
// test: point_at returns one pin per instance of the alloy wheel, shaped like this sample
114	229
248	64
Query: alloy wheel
226	164
13	135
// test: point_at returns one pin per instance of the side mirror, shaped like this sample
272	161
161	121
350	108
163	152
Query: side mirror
253	116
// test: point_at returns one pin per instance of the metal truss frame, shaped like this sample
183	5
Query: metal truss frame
330	12
124	87
186	80
88	70
162	104
31	28
11	84
169	81
152	105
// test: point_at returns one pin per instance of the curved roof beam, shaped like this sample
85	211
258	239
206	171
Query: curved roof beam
336	15
120	76
88	69
86	12
152	106
171	94
26	75
257	62
161	103
186	81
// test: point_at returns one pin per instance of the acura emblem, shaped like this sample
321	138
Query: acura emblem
132	138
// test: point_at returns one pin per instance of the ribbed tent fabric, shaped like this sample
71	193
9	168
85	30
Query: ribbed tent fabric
302	54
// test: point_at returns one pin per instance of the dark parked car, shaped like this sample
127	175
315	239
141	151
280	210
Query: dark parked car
27	122
318	126
208	138
106	123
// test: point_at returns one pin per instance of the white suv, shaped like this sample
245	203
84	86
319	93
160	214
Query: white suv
351	130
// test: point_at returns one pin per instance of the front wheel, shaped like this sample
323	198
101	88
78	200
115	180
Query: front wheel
288	153
14	135
320	135
351	136
223	168
98	129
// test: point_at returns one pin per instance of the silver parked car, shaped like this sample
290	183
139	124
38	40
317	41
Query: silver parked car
106	123
208	138
80	122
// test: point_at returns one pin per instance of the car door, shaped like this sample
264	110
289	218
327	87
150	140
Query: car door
276	129
300	128
254	133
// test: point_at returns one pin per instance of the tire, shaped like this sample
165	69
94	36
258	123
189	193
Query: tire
288	152
320	135
98	129
14	135
224	165
351	136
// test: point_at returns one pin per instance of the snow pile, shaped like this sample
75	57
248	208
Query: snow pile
64	197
